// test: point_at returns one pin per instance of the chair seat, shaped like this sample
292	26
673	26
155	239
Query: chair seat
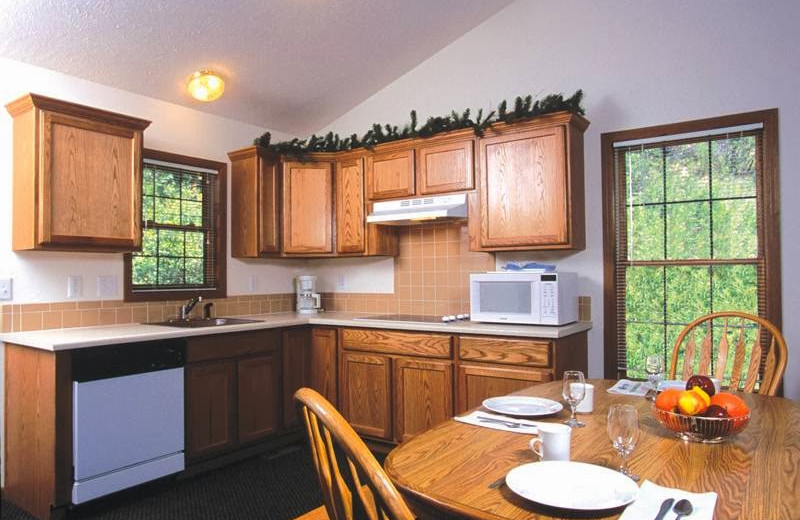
315	514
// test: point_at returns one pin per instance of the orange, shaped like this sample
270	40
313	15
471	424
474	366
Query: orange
668	399
693	402
733	404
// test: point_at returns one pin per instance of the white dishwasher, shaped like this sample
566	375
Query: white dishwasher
127	416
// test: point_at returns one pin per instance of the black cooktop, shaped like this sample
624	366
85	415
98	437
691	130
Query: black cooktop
417	318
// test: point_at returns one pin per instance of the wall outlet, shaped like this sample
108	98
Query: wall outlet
341	282
252	283
6	289
106	286
74	286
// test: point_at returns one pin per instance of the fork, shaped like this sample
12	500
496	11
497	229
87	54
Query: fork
509	424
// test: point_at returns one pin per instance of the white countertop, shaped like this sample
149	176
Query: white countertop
79	337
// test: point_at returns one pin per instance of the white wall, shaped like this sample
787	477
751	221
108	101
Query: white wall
640	63
42	276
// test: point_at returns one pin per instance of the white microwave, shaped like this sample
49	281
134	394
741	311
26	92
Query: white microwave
526	298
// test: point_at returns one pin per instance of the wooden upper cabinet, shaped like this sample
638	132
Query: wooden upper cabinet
350	218
77	177
255	203
390	173
531	186
444	167
308	208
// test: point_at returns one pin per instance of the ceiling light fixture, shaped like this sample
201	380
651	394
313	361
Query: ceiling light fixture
205	85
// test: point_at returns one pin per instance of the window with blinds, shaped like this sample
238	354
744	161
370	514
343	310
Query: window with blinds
691	216
182	229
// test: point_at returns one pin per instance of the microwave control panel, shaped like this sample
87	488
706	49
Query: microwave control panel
549	299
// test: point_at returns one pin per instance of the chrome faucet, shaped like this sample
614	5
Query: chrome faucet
186	309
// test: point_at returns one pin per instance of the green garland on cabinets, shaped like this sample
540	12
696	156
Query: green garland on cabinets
524	108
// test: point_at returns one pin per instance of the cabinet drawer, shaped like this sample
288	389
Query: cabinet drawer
523	352
402	343
220	346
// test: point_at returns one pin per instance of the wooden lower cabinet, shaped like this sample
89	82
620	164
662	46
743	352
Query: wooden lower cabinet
366	395
296	370
233	391
476	383
259	414
423	395
322	361
210	405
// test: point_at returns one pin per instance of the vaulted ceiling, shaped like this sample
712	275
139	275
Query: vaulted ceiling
289	65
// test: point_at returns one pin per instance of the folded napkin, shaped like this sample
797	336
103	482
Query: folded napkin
628	387
651	497
496	422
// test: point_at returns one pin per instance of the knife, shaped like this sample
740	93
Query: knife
665	507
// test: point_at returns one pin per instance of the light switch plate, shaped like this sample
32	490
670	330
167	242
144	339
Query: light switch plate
106	286
253	283
74	286
6	289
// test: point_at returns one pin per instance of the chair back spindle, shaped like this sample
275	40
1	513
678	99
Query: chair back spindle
739	359
372	494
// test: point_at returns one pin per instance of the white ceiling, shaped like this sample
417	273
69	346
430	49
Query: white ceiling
290	65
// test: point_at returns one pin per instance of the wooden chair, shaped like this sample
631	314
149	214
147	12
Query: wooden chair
739	360
330	434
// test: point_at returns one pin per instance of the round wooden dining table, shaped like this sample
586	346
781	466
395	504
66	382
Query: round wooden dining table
457	470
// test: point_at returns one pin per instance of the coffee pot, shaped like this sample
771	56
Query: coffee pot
308	300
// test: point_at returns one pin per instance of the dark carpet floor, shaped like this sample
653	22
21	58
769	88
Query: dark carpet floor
276	486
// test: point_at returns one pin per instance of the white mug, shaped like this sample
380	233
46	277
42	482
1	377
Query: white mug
587	404
552	442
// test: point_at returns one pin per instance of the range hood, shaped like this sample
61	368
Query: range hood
410	212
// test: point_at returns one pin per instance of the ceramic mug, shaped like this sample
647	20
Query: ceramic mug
587	404
552	442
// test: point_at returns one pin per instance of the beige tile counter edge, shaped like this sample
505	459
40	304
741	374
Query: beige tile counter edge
79	337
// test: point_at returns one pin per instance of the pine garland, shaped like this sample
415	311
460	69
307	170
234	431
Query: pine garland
524	108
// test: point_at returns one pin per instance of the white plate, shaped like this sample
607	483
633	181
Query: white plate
522	405
671	383
572	485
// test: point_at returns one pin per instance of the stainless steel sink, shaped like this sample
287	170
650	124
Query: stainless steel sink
192	323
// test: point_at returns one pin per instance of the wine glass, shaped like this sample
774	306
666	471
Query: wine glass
654	366
623	430
573	390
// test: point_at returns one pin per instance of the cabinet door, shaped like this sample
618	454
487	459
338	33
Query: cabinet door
307	208
255	203
524	192
350	236
91	176
445	167
296	370
423	395
323	362
390	174
476	383
259	391
365	398
210	404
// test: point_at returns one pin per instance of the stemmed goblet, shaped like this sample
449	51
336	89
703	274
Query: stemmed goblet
573	390
654	366
623	430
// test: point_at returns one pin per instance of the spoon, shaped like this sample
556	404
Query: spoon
683	508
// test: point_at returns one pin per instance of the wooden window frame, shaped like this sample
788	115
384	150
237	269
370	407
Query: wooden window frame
768	207
220	250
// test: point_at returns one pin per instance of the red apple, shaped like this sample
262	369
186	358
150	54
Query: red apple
704	382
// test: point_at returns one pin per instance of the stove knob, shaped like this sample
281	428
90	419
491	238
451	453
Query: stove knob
466	316
460	317
445	319
451	318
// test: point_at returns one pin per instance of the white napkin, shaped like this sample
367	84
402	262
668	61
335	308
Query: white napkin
529	427
628	387
651	496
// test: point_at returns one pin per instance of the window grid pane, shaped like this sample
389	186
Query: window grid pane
707	229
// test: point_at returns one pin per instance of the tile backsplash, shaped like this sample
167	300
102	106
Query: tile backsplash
431	277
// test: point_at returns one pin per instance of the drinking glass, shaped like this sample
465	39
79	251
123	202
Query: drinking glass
573	390
654	366
623	430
